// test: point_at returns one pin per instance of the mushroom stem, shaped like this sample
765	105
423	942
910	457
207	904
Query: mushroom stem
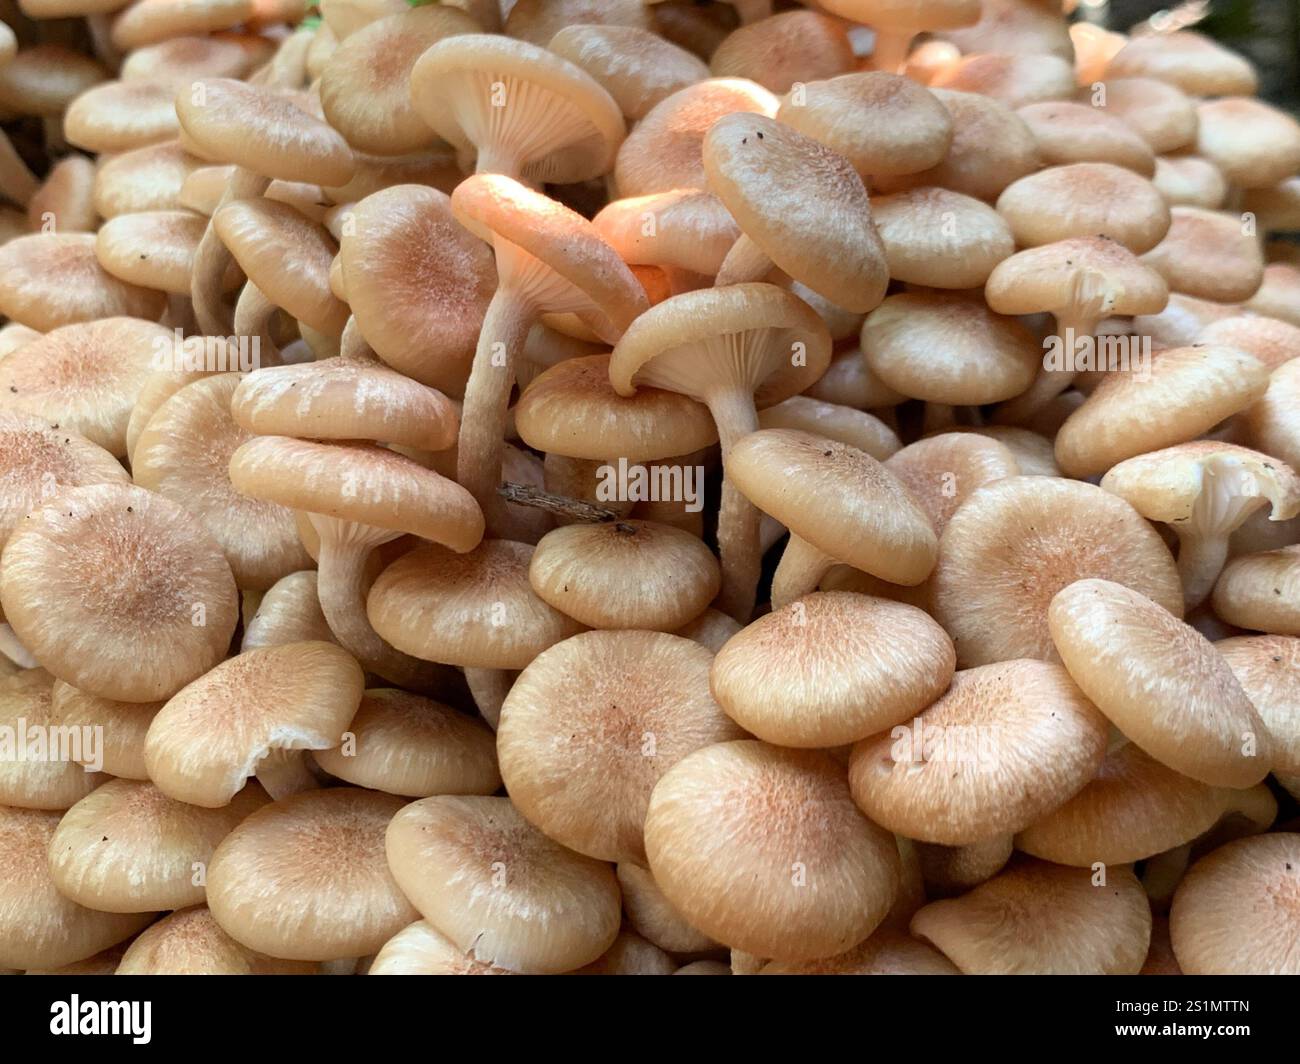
1163	873
1200	561
1071	330
890	50
254	314
17	182
489	688
353	345
745	262
739	520
482	442
212	259
284	773
937	416
493	158
12	648
800	570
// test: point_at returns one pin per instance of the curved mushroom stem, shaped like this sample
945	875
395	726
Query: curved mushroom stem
745	262
489	688
1200	561
285	772
17	182
800	570
1163	873
322	345
492	158
253	316
12	648
212	260
739	520
1071	331
890	50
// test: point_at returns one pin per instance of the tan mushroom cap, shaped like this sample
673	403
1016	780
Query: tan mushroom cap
289	612
45	78
939	238
882	123
784	50
652	915
1277	207
129	848
1085	199
1255	145
711	629
1235	911
991	147
538	21
179	60
1190	181
789	888
1274	421
404	744
949	348
1261	592
39	927
1037	918
475	609
831	668
1209	255
1161	113
421	949
268	134
686	228
365	88
119	115
191	942
1018	541
1015	80
1271	341
498	888
630	954
37	769
145	179
941	472
418	283
1069	132
636	67
53	279
305	878
184	455
556	123
848	382
152	249
118	592
1186	392
1265	666
1195	64
150	21
1160	682
124	724
588	730
666	149
1279	295
855	427
884	952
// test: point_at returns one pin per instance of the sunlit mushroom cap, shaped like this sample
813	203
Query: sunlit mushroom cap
1255	145
687	228
588	729
152	249
1016	542
1235	911
421	949
941	472
179	60
1037	918
1069	132
148	604
206	742
306	878
191	942
149	21
124	724
1209	255
1261	592
1190	181
120	115
1015	80
502	891
636	67
145	179
789	888
885	952
939	238
855	427
1161	113
36	771
1196	64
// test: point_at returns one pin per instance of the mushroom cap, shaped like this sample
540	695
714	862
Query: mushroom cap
45	78
1160	682
43	776
305	878
573	410
1261	591
684	227
289	612
1190	181
588	730
128	848
556	120
408	745
369	485
144	179
418	283
207	741
365	87
502	891
53	279
1277	207
907	16
420	949
842	501
939	238
882	123
1037	918
1273	422
191	942
39	927
636	67
1011	741
1186	392
857	428
1279	295
539	20
666	149
754	336
1085	199
475	609
119	115
1161	113
802	204
269	134
792	888
711	629
1015	80
1069	132
152	249
1209	255
1016	542
848	382
1235	911
124	726
630	954
942	472
179	60
784	50
150	21
119	592
652	915
886	951
1271	341
1193	63
831	668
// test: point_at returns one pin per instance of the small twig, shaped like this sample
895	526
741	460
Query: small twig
560	505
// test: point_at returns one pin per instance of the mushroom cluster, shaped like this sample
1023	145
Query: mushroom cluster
645	488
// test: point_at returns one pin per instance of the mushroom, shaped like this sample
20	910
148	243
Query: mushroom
653	916
239	719
149	21
179	60
947	871
1160	682
778	52
940	239
539	20
1159	112
1271	422
1069	132
419	949
1261	591
843	423
145	179
65	198
1255	145
288	612
896	22
1015	80
1190	181
1271	341
123	726
1209	255
152	249
684	229
942	472
116	116
190	942
38	769
1277	295
630	954
884	952
1190	61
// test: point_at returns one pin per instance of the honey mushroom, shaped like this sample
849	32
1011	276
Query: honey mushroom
35	777
190	942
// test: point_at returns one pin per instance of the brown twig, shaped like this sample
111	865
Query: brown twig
560	505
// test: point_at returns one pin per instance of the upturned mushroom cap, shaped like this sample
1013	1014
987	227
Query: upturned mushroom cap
1190	181
306	878
549	119
789	888
1160	682
1017	542
830	668
636	67
37	770
39	927
1037	918
152	249
884	952
588	730
1187	391
653	916
1007	743
420	949
124	726
119	592
1082	200
191	942
1195	64
149	21
939	238
942	472
1235	911
855	427
120	115
498	888
1261	592
685	228
207	741
1015	80
1209	255
128	848
784	50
